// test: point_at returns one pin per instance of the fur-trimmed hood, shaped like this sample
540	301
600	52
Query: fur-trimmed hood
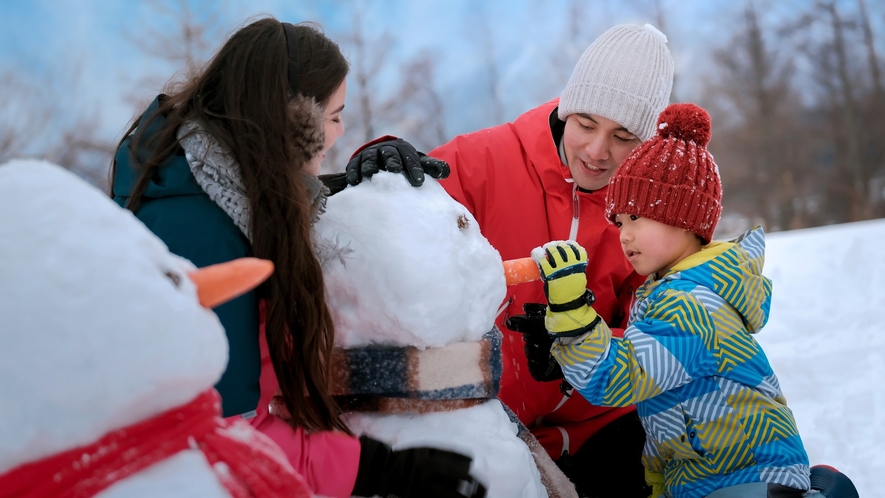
209	167
174	178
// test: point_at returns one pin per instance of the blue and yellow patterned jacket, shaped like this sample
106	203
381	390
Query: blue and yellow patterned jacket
710	403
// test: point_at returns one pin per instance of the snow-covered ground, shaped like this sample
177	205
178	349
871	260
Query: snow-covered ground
826	342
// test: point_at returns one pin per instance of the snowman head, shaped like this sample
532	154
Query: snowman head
406	266
101	325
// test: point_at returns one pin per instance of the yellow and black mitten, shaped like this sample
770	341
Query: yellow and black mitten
563	265
656	481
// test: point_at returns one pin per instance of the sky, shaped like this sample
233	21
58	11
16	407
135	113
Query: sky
87	52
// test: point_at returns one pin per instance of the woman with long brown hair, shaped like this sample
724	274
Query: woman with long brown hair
224	166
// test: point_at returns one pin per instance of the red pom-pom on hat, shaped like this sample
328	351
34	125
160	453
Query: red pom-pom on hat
685	122
671	178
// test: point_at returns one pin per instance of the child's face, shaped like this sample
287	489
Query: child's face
653	247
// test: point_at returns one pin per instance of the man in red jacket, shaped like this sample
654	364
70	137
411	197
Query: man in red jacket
541	178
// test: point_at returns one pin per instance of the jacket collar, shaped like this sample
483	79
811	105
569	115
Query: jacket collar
172	178
540	131
733	270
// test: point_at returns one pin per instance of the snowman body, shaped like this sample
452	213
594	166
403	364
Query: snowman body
408	268
101	329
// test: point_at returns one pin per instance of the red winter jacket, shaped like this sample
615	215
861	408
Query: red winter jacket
512	179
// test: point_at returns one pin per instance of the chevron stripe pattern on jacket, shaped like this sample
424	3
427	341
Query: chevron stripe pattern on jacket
710	403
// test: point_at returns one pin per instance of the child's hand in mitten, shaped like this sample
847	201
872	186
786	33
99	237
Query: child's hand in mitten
563	265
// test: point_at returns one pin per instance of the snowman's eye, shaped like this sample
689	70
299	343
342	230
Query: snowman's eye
174	278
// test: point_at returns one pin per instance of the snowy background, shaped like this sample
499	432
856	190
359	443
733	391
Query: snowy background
826	342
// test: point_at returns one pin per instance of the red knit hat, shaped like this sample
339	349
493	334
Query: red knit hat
671	178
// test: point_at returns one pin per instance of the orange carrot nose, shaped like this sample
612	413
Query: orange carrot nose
520	271
218	284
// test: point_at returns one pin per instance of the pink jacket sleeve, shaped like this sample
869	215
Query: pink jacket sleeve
327	460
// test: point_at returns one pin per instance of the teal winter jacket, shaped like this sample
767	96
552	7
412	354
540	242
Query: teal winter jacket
176	210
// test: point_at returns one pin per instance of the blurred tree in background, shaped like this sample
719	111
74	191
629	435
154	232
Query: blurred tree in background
796	92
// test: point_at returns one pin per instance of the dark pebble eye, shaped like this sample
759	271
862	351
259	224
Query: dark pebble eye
174	278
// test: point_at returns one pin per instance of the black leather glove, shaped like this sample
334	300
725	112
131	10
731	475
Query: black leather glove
335	182
542	365
395	156
414	473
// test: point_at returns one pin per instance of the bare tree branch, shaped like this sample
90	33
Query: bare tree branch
23	114
760	144
185	47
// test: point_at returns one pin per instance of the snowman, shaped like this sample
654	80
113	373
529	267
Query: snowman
414	288
108	359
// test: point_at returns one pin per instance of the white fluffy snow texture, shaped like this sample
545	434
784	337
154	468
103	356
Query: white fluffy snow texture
186	473
94	335
826	342
423	279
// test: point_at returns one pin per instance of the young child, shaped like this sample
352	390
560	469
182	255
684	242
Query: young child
708	399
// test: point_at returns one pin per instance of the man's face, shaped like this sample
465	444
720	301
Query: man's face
594	147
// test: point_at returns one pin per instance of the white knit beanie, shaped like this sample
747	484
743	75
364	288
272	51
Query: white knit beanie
625	75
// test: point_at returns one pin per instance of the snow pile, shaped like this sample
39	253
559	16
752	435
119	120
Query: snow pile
414	267
826	342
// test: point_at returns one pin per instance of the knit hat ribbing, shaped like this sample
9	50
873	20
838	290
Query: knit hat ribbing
626	75
671	178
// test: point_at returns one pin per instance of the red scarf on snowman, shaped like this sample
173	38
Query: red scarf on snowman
247	463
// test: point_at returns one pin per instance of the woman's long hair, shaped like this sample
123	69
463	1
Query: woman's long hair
242	98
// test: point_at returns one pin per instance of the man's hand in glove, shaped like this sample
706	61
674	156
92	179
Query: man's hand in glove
414	473
563	265
542	365
396	156
335	182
